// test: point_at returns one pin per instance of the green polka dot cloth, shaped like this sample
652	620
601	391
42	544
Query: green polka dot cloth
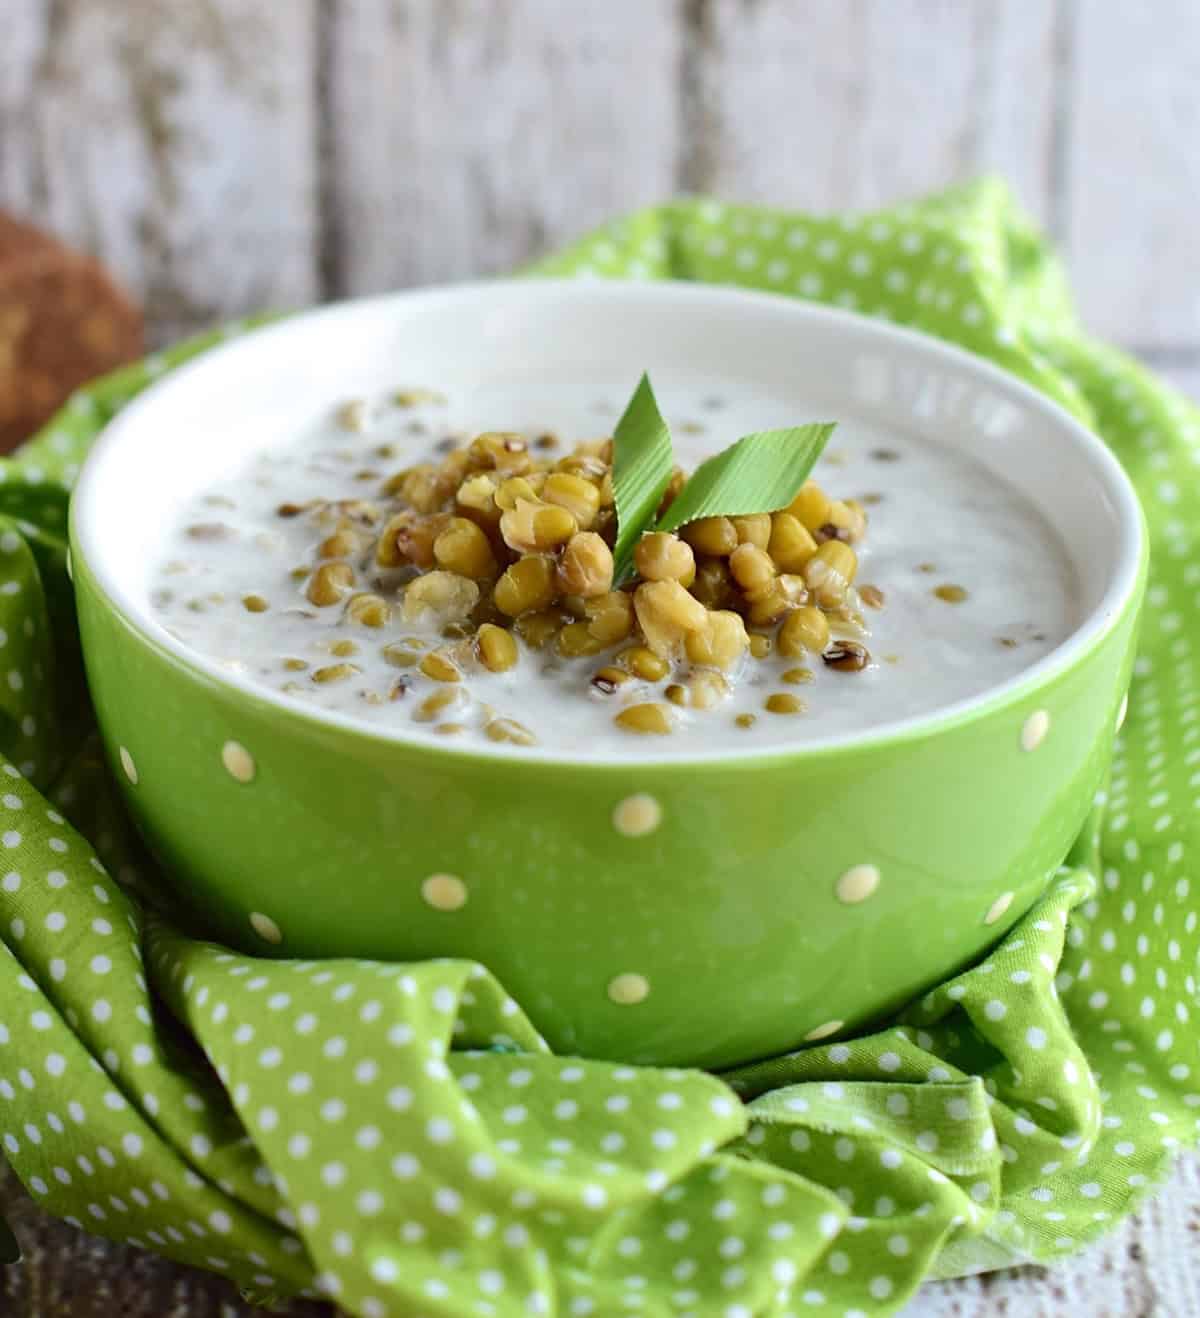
398	1138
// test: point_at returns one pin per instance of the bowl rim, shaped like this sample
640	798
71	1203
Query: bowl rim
1121	593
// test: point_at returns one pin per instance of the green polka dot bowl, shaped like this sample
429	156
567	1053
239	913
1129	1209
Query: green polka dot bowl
656	905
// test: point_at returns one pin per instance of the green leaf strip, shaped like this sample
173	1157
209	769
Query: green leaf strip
761	473
642	466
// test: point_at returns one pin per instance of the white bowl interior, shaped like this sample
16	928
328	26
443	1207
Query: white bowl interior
201	422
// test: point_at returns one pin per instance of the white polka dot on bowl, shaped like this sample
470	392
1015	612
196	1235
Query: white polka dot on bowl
444	892
998	907
265	927
628	989
238	761
857	884
1034	729
637	815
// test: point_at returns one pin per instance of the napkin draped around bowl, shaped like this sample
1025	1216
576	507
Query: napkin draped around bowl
400	1139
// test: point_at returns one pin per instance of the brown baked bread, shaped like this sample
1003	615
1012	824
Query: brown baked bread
62	321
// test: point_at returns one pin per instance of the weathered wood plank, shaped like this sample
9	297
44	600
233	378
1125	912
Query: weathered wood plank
475	134
176	141
24	39
1148	1268
830	105
1134	170
65	1273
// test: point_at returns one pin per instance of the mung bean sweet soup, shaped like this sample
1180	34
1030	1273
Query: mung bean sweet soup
450	568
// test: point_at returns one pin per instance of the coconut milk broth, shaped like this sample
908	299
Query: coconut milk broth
937	519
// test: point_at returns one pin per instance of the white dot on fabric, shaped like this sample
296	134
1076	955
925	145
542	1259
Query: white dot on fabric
440	1130
857	884
444	892
265	927
1034	729
998	907
128	765
238	761
628	989
637	815
405	1166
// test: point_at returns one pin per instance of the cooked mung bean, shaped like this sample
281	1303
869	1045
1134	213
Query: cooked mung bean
369	610
439	665
335	672
661	556
330	584
586	566
644	663
463	548
754	529
791	544
610	617
507	729
751	566
846	656
804	630
647	719
496	647
810	507
711	535
526	586
606	680
576	641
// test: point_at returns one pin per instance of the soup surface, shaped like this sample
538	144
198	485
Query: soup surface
961	582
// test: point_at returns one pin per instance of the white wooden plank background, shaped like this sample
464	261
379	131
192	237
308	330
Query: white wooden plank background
485	133
1133	170
225	155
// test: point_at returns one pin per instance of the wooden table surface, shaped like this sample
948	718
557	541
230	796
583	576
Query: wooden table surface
1147	1268
227	155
